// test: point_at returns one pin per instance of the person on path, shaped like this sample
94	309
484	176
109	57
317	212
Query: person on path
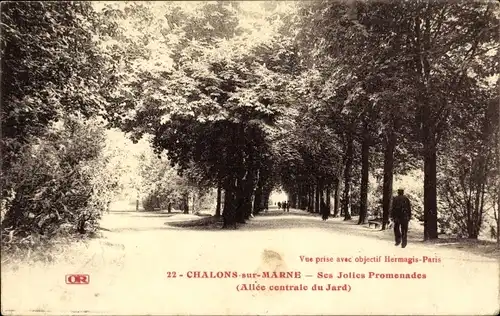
401	215
279	206
325	212
288	207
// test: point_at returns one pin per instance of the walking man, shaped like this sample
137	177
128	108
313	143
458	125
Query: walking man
401	215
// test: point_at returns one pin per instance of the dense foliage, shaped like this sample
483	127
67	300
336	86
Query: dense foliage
54	174
331	101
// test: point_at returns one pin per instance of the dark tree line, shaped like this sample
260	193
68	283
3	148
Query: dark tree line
338	92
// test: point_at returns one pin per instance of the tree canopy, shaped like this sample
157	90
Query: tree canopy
317	98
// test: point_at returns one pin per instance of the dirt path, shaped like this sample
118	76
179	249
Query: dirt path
129	266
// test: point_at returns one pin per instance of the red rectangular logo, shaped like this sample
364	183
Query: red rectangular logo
77	279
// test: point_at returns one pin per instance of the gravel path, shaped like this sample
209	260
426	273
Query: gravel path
130	265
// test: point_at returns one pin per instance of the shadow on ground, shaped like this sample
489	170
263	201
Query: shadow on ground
153	215
275	219
206	223
163	214
278	220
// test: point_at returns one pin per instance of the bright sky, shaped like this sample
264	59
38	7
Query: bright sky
277	196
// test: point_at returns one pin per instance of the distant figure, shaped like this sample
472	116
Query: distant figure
325	212
279	205
288	207
401	215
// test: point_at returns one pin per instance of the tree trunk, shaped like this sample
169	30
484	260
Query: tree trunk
265	197
294	198
235	183
365	165
321	197
336	196
303	197
228	212
195	199
266	189
185	202
239	201
428	121
347	176
310	199
497	159
430	192
260	192
251	175
390	144
137	203
248	192
307	198
257	201
328	197
316	200
219	196
498	214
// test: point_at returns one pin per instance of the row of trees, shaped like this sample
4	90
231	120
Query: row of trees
82	61
53	164
163	188
404	84
59	170
212	105
385	87
242	97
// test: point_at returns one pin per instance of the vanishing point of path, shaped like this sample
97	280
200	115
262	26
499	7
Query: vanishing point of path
129	268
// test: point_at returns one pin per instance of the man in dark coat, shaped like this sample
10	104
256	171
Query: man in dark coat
401	215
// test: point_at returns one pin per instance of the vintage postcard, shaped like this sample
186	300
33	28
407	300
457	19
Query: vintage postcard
250	158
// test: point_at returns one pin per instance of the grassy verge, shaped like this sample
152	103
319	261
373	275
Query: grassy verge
37	249
205	221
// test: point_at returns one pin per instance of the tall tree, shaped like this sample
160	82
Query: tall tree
51	66
428	49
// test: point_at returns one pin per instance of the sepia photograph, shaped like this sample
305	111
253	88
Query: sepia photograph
250	157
